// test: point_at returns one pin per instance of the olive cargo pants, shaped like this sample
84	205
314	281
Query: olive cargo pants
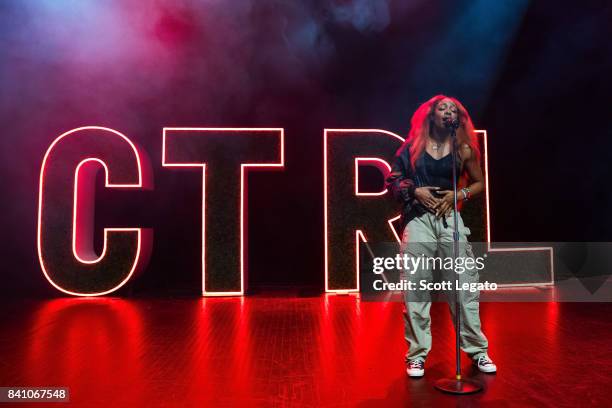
426	235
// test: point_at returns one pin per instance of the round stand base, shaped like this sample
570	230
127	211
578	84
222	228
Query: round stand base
453	386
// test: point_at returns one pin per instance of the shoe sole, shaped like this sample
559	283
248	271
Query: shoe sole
415	375
487	371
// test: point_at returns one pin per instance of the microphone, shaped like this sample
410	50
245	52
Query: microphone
451	124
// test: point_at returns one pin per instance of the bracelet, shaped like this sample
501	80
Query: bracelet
466	193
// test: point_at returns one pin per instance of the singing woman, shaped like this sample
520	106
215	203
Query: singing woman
421	179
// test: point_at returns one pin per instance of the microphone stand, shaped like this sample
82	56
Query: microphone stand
457	385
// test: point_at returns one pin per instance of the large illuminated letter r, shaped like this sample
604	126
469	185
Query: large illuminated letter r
351	215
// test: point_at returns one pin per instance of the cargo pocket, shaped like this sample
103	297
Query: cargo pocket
463	230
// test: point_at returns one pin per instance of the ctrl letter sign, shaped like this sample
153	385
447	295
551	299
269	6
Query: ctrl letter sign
352	214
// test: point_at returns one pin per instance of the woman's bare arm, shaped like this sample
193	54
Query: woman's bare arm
476	182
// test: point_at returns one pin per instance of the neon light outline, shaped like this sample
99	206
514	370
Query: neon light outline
243	166
379	166
106	230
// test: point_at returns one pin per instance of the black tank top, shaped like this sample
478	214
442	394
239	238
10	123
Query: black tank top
435	173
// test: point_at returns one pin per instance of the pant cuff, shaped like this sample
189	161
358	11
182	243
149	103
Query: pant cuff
478	355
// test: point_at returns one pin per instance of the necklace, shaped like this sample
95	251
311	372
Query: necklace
435	145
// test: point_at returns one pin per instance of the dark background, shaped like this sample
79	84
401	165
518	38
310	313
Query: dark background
535	74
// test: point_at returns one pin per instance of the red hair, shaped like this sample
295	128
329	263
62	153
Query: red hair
421	128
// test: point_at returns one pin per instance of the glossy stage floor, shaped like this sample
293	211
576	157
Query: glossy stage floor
282	349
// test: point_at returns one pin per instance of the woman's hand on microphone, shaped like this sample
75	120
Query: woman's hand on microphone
424	196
